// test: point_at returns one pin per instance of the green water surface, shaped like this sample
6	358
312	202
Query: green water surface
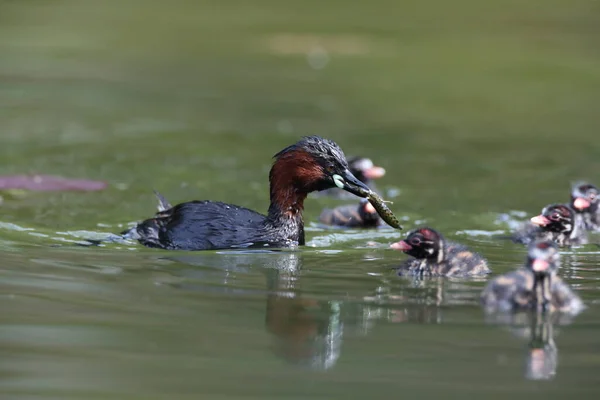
475	109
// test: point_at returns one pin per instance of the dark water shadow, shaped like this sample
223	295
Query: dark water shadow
306	331
538	329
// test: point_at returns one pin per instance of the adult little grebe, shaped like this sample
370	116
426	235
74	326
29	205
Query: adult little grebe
312	164
557	222
536	286
364	170
585	199
434	256
363	215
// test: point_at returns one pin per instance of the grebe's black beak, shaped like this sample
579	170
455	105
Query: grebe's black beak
351	184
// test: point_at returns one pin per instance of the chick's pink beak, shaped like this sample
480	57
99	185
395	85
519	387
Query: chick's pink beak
540	265
374	172
401	245
580	203
540	220
370	209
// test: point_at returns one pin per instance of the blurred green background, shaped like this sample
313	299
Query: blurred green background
474	108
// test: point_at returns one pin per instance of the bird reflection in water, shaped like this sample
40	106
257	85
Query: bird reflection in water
419	300
420	304
306	331
542	355
541	359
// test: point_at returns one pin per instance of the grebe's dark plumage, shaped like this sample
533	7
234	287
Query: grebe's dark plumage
311	164
536	286
585	199
557	222
363	215
435	256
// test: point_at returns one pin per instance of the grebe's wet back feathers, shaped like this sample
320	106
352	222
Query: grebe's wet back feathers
163	204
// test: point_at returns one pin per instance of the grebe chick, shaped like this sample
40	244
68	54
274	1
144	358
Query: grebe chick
435	256
363	215
585	199
558	223
535	287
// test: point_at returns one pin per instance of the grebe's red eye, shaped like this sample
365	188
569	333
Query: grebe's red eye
415	241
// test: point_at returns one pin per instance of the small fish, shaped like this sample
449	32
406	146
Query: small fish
382	209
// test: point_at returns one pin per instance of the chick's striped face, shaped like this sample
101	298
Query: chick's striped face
543	257
555	218
560	216
422	243
585	197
